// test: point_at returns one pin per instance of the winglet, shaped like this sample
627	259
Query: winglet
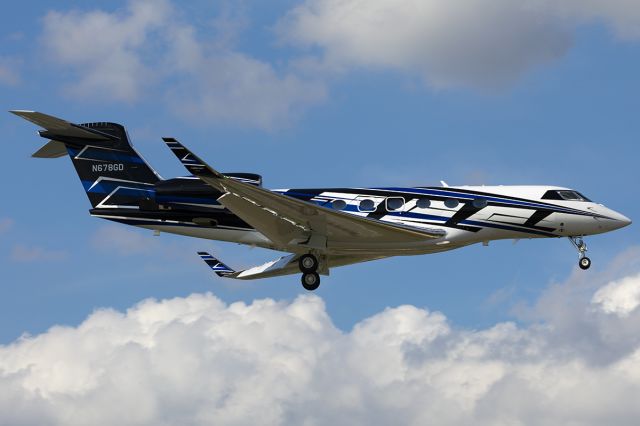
218	267
190	161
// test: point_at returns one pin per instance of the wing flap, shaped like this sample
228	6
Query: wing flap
278	229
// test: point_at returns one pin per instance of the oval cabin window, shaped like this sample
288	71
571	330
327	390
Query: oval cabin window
395	203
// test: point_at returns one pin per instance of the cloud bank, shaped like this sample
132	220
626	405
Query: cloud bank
152	50
197	360
127	55
470	43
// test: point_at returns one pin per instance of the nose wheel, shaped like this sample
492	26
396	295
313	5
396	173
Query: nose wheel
584	262
308	264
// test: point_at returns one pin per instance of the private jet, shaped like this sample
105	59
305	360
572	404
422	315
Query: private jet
320	228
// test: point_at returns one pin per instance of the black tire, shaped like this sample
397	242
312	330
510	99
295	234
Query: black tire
310	281
584	263
308	263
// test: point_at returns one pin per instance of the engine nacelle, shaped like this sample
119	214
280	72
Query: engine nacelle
168	192
251	178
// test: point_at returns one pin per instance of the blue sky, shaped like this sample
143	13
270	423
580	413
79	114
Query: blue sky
569	121
321	93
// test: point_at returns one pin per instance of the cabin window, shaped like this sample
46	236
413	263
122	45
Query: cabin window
395	203
367	205
338	204
423	203
479	203
452	203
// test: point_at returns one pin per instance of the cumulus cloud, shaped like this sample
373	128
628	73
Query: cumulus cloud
25	253
619	297
233	87
477	43
105	49
622	16
123	55
197	360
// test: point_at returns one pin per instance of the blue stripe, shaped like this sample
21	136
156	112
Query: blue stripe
350	208
473	223
445	194
452	193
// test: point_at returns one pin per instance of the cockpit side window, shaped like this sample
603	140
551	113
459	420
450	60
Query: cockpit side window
566	195
583	197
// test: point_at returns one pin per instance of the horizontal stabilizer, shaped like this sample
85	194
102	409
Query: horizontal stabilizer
218	267
52	149
285	265
57	126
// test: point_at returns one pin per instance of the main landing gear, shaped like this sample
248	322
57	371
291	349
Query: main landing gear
308	264
581	246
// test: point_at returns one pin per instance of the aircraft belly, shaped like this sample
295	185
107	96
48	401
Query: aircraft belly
248	237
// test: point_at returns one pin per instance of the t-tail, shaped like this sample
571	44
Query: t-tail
112	172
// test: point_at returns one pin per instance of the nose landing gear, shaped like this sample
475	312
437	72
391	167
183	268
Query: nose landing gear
308	264
584	262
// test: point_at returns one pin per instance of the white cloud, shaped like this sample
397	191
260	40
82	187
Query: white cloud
619	297
229	86
121	56
622	16
196	360
478	43
24	253
150	48
105	50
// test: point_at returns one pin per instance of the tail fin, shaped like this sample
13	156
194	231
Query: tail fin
111	171
218	267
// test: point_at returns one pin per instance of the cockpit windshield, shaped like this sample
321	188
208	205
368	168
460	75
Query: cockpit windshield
564	194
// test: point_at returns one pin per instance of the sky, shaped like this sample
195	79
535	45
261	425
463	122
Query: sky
321	93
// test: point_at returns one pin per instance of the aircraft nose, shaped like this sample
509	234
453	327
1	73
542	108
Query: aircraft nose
625	220
620	220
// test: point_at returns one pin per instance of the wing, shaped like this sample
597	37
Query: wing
296	225
285	265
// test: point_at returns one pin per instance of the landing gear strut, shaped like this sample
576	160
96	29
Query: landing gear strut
308	264
581	246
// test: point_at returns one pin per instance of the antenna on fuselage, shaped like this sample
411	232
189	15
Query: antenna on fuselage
445	184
